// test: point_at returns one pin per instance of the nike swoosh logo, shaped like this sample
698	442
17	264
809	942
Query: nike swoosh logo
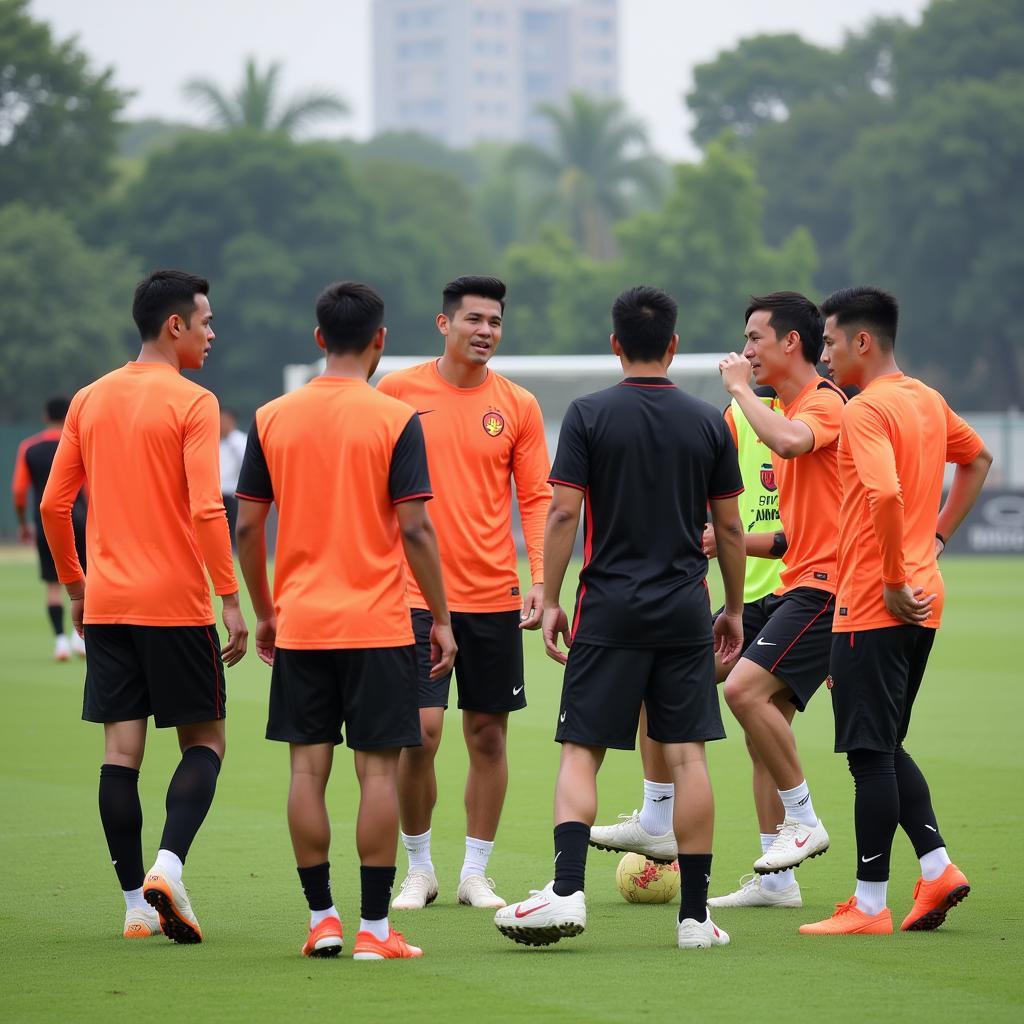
557	855
423	412
517	691
526	913
761	642
659	799
800	845
868	860
930	829
561	717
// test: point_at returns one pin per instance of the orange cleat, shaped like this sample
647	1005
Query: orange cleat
369	947
935	899
848	920
325	939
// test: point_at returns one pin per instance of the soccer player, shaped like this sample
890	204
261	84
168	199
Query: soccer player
897	435
347	469
31	470
144	440
483	432
785	664
646	458
649	830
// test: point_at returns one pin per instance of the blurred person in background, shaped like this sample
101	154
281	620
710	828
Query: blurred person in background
232	451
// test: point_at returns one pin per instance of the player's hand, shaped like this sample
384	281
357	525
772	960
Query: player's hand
709	543
266	639
238	633
533	607
76	595
908	605
939	548
442	650
556	623
728	634
25	533
735	371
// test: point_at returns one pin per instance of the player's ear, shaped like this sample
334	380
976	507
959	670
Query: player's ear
616	347
672	346
174	325
863	341
378	338
443	323
318	337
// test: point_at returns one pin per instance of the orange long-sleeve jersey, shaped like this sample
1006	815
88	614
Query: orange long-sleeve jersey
147	442
896	437
478	441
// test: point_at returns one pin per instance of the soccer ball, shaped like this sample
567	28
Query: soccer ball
642	881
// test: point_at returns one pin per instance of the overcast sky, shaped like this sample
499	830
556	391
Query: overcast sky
155	47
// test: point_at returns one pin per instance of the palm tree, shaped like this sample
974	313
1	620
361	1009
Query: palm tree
256	103
598	157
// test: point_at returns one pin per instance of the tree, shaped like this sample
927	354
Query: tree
58	134
67	309
598	155
938	215
257	104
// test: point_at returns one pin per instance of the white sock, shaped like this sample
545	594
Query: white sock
478	852
797	802
378	929
871	896
780	879
169	864
656	815
133	900
316	916
418	849
933	863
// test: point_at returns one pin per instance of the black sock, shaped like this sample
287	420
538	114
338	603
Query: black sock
56	613
188	798
917	818
316	884
571	841
694	876
876	811
121	815
375	885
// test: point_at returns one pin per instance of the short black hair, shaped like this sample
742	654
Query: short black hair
873	308
163	293
57	408
791	311
349	315
644	320
486	287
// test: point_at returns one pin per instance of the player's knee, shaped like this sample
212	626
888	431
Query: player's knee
737	695
866	764
488	742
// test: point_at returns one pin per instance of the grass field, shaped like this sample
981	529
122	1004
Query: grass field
61	910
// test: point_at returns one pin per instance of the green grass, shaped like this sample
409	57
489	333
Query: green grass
61	910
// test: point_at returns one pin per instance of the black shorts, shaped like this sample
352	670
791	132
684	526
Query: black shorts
173	673
604	687
47	570
874	677
371	691
488	667
755	615
794	643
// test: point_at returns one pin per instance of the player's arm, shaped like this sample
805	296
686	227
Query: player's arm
732	563
20	484
787	438
973	461
757	545
530	472
563	520
201	457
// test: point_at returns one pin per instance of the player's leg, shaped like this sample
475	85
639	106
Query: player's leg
54	597
417	780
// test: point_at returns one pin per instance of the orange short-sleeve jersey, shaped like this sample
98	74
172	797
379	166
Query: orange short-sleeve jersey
478	441
328	456
147	442
897	435
809	491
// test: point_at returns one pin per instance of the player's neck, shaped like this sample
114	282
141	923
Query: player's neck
800	375
353	366
651	369
880	368
159	352
461	375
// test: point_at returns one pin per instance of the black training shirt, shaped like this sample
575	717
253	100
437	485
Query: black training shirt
648	458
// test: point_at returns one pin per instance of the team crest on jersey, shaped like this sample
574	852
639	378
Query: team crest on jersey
768	476
494	423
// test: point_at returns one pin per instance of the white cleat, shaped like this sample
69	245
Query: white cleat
419	887
141	923
629	836
543	918
477	891
77	645
62	648
794	843
752	893
170	899
691	934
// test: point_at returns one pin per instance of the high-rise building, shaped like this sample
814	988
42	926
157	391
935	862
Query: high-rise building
466	70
